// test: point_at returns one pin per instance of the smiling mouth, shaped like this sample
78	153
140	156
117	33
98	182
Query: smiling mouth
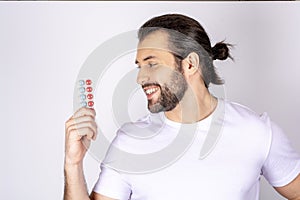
151	90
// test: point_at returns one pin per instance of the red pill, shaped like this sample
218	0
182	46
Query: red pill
91	103
90	96
88	82
89	89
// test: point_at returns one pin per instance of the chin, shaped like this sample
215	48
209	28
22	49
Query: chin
155	108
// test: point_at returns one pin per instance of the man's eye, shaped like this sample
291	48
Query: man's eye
152	64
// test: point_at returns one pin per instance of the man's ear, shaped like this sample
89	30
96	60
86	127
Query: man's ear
190	64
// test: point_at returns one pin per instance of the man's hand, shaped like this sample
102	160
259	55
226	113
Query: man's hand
80	129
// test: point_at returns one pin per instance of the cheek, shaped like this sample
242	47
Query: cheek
163	74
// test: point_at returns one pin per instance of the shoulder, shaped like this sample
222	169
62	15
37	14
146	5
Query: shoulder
133	128
142	126
251	131
138	135
243	122
141	122
241	113
239	109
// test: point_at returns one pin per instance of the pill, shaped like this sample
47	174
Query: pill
81	82
90	96
82	97
90	103
88	82
81	90
89	89
83	104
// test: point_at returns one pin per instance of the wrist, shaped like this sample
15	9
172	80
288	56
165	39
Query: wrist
72	165
74	173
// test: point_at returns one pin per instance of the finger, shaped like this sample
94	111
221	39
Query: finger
87	132
84	111
73	135
81	127
86	142
78	134
95	136
87	122
73	121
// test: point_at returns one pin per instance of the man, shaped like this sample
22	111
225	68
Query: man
175	61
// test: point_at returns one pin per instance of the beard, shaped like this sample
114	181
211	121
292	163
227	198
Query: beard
171	94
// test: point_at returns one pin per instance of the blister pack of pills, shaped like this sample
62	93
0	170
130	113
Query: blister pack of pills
85	87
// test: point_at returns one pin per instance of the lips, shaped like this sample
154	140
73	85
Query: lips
151	90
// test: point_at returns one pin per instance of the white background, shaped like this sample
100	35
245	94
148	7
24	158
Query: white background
44	44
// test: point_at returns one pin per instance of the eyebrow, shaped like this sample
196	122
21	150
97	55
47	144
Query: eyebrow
145	59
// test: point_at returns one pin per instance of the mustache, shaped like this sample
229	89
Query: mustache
151	84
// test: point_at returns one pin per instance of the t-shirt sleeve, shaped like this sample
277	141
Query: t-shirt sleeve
111	184
283	163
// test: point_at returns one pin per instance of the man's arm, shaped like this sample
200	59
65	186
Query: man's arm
95	196
75	186
291	191
80	128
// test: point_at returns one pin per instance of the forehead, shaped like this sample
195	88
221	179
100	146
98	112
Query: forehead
154	43
157	39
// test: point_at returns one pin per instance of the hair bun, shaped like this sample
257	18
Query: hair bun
220	51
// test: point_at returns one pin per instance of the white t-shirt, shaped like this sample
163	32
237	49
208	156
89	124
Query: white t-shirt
247	146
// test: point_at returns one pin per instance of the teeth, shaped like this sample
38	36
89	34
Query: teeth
151	90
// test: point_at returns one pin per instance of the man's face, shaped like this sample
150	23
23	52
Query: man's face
162	82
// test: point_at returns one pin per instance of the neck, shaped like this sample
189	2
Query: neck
195	106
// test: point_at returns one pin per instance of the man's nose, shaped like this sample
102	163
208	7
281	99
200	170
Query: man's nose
143	76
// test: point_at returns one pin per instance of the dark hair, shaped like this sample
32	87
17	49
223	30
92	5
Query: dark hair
186	35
